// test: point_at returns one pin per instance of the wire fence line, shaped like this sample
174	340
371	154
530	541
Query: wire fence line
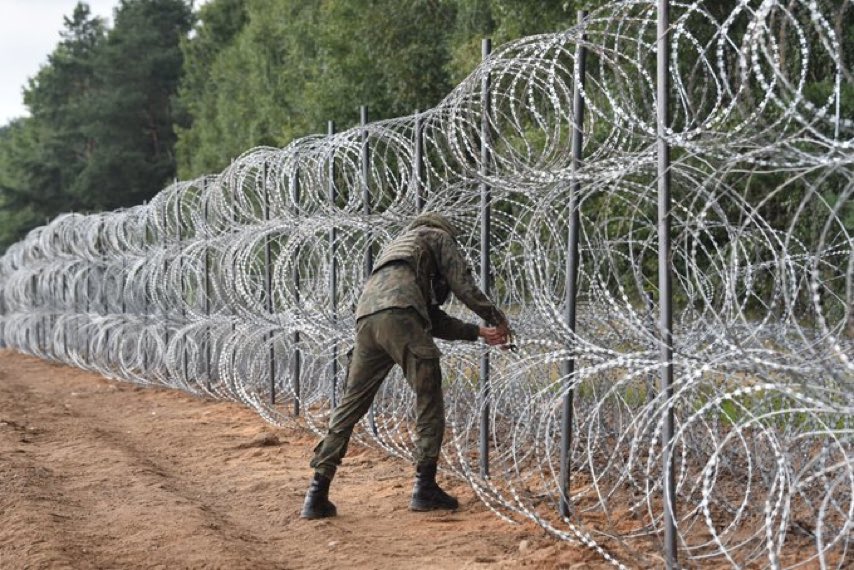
243	285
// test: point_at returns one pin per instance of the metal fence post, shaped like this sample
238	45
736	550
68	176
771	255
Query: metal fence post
664	276
105	298
101	280
121	291
208	348
145	298
180	221
333	272
366	187
233	355
268	285
78	307
122	284
418	166
165	271
295	277
35	296
51	306
64	308
485	269
40	335
88	305
568	366
75	309
366	209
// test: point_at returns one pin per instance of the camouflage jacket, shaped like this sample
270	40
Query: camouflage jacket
408	271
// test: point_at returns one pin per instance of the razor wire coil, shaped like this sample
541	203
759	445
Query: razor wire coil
221	286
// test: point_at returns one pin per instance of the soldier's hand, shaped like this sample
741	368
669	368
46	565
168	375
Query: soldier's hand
493	336
504	328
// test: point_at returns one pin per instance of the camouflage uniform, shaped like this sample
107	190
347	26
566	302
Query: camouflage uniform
397	317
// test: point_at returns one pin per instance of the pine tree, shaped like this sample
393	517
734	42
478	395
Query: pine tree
131	117
41	156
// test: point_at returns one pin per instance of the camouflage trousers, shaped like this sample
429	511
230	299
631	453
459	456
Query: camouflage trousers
383	339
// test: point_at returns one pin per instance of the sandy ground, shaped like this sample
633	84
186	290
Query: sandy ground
101	474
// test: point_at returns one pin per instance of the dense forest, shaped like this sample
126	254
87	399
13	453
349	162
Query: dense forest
170	90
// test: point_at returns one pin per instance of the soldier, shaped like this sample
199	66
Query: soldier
396	319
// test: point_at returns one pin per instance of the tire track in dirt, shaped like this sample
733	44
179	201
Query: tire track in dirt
102	474
87	445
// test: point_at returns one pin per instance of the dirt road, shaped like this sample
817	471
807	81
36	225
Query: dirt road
102	474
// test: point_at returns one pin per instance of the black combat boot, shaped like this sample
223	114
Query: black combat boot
317	504
427	495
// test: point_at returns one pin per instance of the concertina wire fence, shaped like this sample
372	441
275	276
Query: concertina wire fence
242	285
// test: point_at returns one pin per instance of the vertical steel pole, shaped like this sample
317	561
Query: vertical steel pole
102	283
77	308
838	89
366	185
123	284
88	305
180	221
145	299
568	366
418	159
88	289
333	272
165	270
233	356
268	285
485	281
50	298
295	278
65	301
105	298
208	348
58	305
366	205
35	295
37	310
42	309
664	276
4	312
59	308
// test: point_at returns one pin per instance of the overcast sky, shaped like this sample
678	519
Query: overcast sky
29	31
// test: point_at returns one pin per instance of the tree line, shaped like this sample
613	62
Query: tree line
171	90
101	131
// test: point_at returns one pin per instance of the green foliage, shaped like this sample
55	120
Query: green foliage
131	118
281	68
117	113
101	134
19	212
390	57
200	146
294	65
41	156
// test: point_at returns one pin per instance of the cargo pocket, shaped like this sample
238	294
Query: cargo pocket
347	369
424	351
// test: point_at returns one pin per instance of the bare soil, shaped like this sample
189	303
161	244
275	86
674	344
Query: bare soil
96	473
